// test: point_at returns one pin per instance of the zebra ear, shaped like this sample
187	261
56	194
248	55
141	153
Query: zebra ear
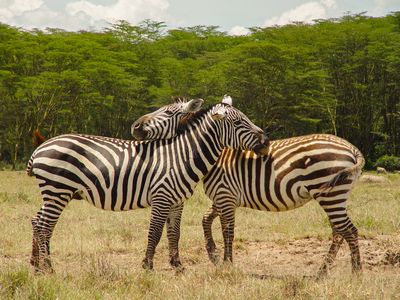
192	106
227	100
177	99
219	114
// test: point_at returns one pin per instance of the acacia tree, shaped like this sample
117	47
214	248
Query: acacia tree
337	76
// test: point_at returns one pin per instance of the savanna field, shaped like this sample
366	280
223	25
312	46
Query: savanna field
338	76
97	254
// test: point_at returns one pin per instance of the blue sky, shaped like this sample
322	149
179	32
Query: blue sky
233	16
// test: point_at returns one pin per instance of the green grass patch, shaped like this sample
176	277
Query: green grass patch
97	254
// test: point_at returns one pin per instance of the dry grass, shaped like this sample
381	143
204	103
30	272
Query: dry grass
97	254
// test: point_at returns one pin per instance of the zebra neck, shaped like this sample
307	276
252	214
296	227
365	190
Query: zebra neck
201	145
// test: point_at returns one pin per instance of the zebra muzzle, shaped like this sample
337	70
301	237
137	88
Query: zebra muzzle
137	131
264	140
261	149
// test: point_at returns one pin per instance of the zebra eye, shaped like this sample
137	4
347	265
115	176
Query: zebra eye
237	122
169	112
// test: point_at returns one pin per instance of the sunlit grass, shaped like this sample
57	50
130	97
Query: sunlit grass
97	254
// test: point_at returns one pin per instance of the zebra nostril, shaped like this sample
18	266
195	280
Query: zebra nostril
137	126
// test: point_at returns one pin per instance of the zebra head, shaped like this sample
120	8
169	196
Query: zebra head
164	122
236	129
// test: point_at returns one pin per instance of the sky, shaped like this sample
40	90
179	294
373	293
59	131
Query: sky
232	16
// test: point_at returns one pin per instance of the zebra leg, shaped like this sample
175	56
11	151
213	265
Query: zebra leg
159	214
342	228
227	218
351	237
43	226
173	234
337	241
35	246
208	219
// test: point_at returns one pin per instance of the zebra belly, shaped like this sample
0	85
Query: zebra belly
266	203
113	197
114	204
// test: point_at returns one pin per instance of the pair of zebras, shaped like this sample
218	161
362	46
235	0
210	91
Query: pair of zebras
185	144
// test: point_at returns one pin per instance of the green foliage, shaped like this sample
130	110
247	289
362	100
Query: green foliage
338	76
389	162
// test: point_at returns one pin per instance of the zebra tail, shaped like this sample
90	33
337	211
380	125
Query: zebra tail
37	140
353	171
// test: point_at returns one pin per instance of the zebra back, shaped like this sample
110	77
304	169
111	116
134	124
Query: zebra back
294	171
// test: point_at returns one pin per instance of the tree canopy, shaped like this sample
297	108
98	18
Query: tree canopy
339	76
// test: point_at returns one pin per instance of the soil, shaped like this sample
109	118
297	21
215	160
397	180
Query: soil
305	256
262	259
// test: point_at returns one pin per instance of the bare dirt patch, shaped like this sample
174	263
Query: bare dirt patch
304	256
298	257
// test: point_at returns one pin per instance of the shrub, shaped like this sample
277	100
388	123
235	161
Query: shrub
389	162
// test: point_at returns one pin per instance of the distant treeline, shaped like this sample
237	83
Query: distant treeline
339	76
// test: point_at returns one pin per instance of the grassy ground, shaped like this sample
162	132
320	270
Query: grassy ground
97	254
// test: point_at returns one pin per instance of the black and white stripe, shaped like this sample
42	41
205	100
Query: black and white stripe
162	123
121	175
317	167
296	170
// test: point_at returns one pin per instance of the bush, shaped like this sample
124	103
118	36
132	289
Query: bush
389	162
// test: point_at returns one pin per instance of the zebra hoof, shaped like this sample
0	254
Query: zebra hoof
147	264
34	261
179	270
322	273
43	270
175	262
214	258
357	271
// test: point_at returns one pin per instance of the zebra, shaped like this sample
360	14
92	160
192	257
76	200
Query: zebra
121	175
143	128
296	170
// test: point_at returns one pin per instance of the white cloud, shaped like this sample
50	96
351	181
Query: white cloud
12	8
45	17
306	12
80	14
130	10
380	6
329	3
239	30
20	6
5	15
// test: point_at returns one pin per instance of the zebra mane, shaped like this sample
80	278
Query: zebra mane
178	99
191	118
